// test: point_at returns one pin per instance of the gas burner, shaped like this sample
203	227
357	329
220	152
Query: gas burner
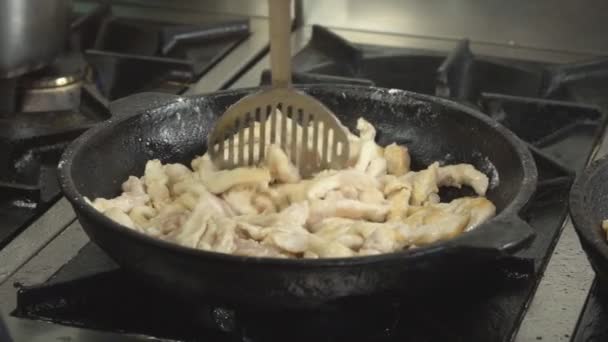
54	88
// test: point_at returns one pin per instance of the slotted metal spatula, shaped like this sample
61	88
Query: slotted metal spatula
313	138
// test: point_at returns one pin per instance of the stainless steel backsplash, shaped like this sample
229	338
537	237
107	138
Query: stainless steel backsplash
562	25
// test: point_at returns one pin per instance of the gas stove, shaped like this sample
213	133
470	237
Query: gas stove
55	284
113	52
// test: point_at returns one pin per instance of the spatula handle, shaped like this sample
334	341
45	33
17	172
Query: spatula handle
280	44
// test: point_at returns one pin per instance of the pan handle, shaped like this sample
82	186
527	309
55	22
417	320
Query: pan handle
500	237
139	103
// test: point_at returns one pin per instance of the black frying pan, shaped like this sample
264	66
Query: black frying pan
588	208
174	129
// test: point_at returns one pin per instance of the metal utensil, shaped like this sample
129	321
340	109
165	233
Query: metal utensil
320	141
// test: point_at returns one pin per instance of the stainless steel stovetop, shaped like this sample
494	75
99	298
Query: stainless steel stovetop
56	237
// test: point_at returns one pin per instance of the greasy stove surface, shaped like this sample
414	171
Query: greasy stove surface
110	56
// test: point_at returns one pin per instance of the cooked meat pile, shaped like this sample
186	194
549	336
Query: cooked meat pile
376	205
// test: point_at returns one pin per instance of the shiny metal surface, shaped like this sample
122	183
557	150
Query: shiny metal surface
239	7
23	247
57	98
560	25
236	61
302	36
32	33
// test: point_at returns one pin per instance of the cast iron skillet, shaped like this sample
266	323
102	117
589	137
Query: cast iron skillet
174	129
588	208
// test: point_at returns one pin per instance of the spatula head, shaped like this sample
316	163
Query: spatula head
305	129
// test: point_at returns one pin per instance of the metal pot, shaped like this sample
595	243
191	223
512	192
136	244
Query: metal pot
32	33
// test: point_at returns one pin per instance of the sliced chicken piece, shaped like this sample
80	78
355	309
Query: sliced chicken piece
122	202
334	195
252	248
352	241
286	194
222	181
605	227
331	224
383	239
197	223
219	235
346	178
177	173
293	216
367	131
187	199
341	231
134	186
432	199
142	214
290	241
391	184
436	225
371	195
397	159
250	230
330	249
240	199
365	229
156	183
263	203
225	237
280	166
377	167
120	217
133	195
310	255
200	192
367	252
203	165
424	183
170	223
332	232
478	209
349	191
400	202
463	174
369	151
321	209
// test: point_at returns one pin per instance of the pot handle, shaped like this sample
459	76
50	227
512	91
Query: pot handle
499	237
140	102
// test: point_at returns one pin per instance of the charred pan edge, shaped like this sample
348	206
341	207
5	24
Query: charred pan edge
509	213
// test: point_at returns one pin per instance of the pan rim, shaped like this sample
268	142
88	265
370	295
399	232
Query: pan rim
527	186
589	232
